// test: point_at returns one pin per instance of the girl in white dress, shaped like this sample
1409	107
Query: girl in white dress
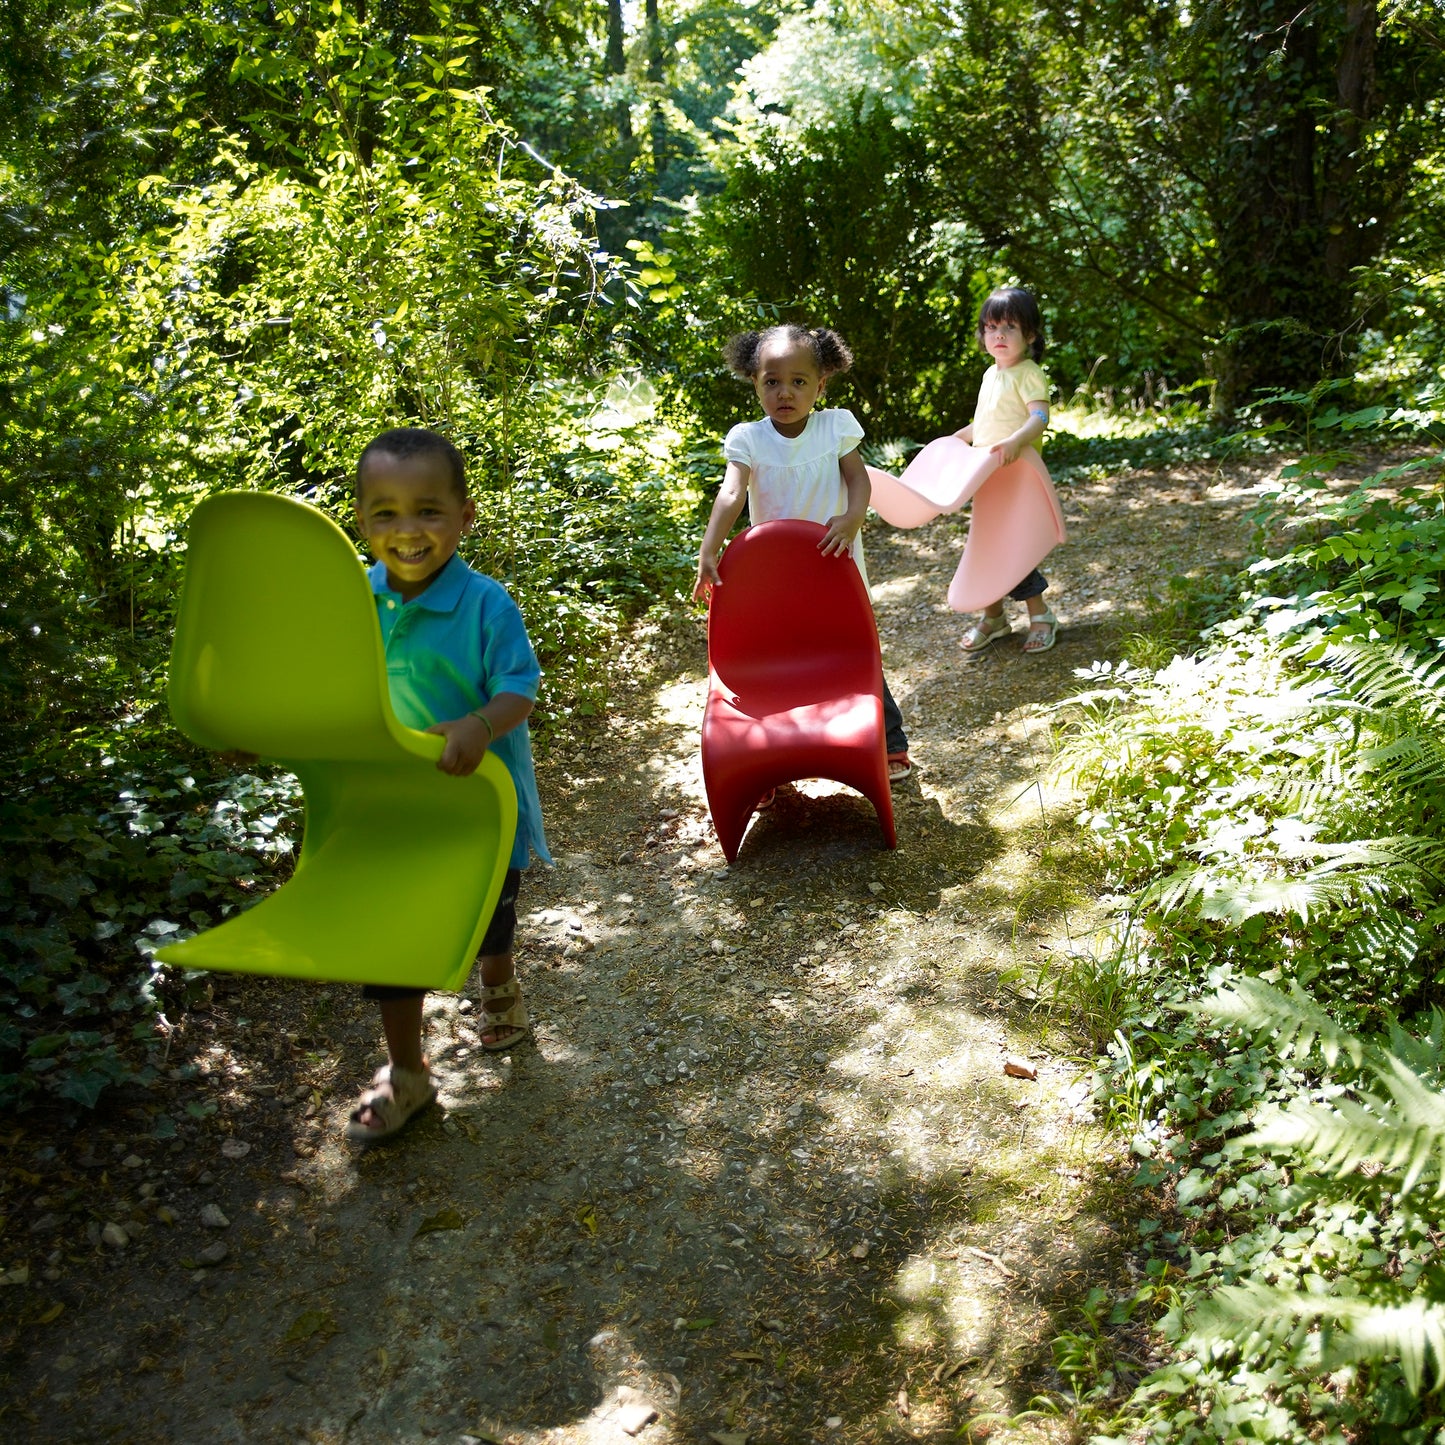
796	462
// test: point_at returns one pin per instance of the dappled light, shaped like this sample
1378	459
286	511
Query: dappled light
1106	1104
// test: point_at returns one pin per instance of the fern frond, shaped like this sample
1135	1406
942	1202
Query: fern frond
1341	1140
1424	1053
1296	1021
1350	1329
1386	677
1348	873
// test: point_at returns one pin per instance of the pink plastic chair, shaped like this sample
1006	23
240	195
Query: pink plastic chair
795	680
1016	518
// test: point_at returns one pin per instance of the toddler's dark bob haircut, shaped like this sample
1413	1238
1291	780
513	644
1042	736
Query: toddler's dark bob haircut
416	441
829	349
1013	303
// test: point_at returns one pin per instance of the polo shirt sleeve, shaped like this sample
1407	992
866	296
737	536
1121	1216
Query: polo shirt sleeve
508	662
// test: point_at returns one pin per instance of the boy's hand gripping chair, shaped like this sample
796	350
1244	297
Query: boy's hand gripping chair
795	680
278	652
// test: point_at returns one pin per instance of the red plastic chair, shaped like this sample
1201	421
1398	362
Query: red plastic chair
795	680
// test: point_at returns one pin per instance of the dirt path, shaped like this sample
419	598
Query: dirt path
763	1173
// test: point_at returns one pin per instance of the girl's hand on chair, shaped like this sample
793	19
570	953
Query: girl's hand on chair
707	578
1007	451
838	539
466	745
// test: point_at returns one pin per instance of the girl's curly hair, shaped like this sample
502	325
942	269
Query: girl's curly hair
829	349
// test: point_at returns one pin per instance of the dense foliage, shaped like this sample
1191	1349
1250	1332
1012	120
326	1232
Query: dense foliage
1271	805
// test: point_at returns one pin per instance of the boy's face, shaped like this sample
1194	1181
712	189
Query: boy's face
408	510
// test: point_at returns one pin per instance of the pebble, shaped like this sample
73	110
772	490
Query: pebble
214	1254
235	1148
213	1217
132	1161
114	1236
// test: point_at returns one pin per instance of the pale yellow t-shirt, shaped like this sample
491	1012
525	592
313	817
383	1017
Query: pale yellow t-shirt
1003	400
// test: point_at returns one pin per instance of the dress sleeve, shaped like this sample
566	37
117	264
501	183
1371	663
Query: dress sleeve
1033	384
738	444
848	432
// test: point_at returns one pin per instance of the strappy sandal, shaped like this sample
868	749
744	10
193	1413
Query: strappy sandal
395	1098
904	766
986	630
514	1017
1045	639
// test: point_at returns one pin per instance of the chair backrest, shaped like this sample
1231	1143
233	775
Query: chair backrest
784	604
294	669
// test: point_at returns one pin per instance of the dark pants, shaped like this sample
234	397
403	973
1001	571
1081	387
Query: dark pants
1034	585
498	939
896	738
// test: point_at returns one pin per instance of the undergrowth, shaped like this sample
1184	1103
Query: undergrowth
1266	804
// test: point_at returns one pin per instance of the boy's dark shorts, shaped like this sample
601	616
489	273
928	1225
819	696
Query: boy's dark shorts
498	938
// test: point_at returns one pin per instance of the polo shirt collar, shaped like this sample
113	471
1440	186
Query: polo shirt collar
442	596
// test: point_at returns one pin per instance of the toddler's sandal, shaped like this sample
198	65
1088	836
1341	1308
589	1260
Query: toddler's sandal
1043	639
899	767
395	1098
986	630
513	1017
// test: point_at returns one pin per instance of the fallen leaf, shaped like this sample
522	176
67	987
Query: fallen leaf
903	1402
754	1356
993	1259
1017	1068
947	1371
310	1323
706	1324
587	1218
53	1313
634	1418
445	1219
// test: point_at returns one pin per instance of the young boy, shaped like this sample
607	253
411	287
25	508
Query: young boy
459	664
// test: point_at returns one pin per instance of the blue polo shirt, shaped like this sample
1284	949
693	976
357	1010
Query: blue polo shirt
454	648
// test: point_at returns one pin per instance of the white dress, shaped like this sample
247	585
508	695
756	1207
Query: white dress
799	476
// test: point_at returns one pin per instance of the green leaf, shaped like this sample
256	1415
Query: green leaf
444	1219
310	1323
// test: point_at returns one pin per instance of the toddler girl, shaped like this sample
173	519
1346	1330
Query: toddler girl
1012	413
796	463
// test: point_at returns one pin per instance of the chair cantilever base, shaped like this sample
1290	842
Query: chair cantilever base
352	912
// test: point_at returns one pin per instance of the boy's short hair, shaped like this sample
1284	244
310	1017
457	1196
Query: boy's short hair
416	441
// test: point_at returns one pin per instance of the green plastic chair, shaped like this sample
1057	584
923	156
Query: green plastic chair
278	652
